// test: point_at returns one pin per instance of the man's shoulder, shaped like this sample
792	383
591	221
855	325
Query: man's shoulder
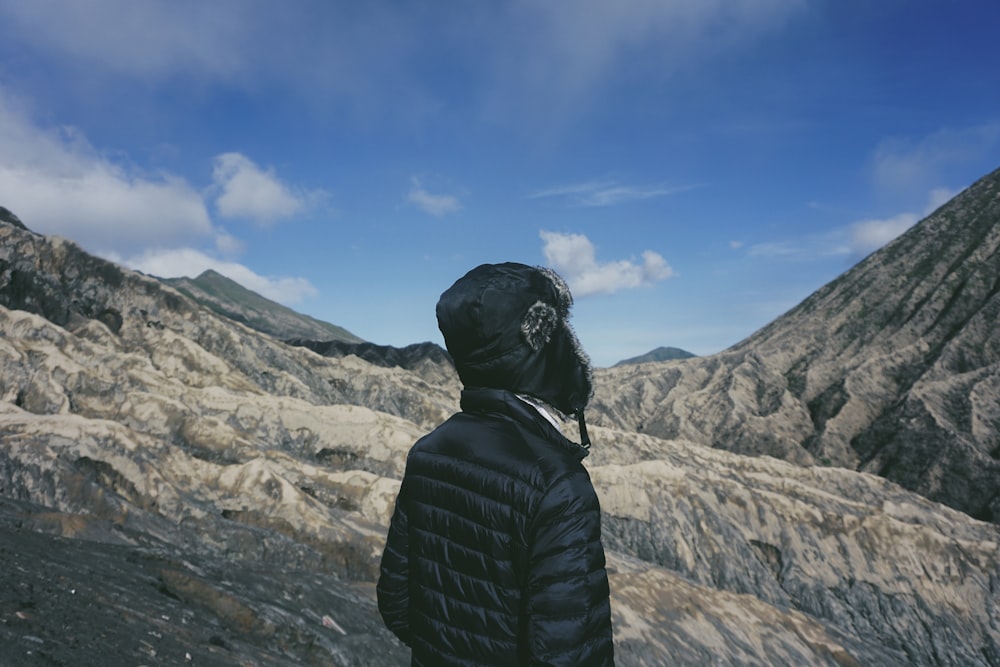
475	436
499	445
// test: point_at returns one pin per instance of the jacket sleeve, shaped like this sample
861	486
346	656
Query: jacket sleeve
393	582
568	598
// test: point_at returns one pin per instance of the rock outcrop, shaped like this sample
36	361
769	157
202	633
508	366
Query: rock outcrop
206	490
893	368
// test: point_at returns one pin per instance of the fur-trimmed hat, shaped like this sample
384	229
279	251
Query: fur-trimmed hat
507	326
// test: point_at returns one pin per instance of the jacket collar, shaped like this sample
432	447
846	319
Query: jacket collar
500	401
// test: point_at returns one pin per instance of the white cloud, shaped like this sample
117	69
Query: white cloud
866	236
870	235
190	262
57	183
573	256
600	193
247	191
437	205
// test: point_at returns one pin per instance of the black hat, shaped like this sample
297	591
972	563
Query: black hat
507	326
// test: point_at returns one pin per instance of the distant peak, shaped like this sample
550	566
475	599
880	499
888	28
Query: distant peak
210	273
659	354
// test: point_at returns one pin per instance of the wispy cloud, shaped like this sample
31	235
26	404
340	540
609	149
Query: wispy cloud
574	257
228	245
368	50
436	205
568	58
854	241
915	165
144	39
607	193
247	191
190	262
801	249
238	44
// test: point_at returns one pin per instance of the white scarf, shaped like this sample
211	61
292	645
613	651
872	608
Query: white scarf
541	410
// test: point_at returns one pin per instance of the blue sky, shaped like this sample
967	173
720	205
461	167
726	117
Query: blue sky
694	168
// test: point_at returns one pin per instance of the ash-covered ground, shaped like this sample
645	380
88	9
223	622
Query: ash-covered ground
106	598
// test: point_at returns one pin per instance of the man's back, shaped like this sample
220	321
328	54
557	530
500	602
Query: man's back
494	555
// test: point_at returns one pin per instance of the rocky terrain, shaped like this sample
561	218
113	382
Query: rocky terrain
78	590
893	369
179	488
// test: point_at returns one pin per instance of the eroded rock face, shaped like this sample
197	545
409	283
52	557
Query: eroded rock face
852	550
157	329
226	475
893	368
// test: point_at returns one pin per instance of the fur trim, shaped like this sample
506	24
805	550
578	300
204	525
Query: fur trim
538	324
563	295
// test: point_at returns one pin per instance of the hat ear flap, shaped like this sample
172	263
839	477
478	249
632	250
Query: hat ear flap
564	299
538	324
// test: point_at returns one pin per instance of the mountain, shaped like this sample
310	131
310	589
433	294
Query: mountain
893	369
229	298
659	354
178	488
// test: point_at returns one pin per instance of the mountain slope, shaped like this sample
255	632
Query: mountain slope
229	298
893	368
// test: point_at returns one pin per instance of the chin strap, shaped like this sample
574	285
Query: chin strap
584	437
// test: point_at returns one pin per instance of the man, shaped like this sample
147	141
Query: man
494	553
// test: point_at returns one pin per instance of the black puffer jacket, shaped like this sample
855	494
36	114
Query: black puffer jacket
494	554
